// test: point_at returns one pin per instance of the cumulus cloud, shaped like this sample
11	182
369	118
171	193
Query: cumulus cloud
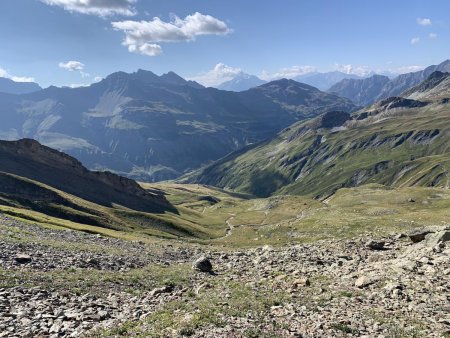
102	8
143	37
415	40
424	21
216	76
72	66
288	72
432	36
353	69
4	73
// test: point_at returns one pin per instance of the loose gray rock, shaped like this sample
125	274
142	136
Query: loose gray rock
365	281
417	236
433	239
203	264
22	259
375	245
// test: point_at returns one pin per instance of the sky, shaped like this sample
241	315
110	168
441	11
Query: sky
78	42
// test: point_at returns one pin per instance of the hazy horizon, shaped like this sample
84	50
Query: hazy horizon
70	43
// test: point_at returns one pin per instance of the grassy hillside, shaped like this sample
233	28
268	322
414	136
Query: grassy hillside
396	144
208	215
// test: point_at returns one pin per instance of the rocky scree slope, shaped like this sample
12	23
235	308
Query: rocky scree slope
367	286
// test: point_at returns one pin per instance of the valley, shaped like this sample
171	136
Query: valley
287	266
152	206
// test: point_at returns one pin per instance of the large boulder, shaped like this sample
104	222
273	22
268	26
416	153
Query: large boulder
203	264
433	239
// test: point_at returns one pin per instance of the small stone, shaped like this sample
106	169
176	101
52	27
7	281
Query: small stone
375	245
364	281
22	259
299	282
400	236
202	264
164	289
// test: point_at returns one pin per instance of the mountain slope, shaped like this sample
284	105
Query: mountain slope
362	91
153	127
376	88
29	159
400	142
324	81
436	87
11	87
241	82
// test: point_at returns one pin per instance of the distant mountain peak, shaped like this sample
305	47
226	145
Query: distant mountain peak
146	76
174	78
285	83
12	87
242	81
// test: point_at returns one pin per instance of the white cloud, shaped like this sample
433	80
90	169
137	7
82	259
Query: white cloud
4	73
219	74
409	69
352	69
424	21
79	85
98	79
432	36
150	49
142	36
72	66
415	41
288	73
102	8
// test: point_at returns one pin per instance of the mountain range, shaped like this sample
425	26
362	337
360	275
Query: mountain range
399	141
323	81
153	127
369	90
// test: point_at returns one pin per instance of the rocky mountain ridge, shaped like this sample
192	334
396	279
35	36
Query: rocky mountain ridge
30	160
376	88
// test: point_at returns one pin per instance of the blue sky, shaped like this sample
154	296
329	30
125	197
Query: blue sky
267	38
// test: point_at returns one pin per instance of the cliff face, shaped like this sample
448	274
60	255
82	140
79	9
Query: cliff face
29	159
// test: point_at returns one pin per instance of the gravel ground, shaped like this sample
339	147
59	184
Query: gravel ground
385	287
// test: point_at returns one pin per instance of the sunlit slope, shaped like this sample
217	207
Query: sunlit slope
396	145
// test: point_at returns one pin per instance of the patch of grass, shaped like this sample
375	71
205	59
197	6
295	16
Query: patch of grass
213	307
344	328
134	281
